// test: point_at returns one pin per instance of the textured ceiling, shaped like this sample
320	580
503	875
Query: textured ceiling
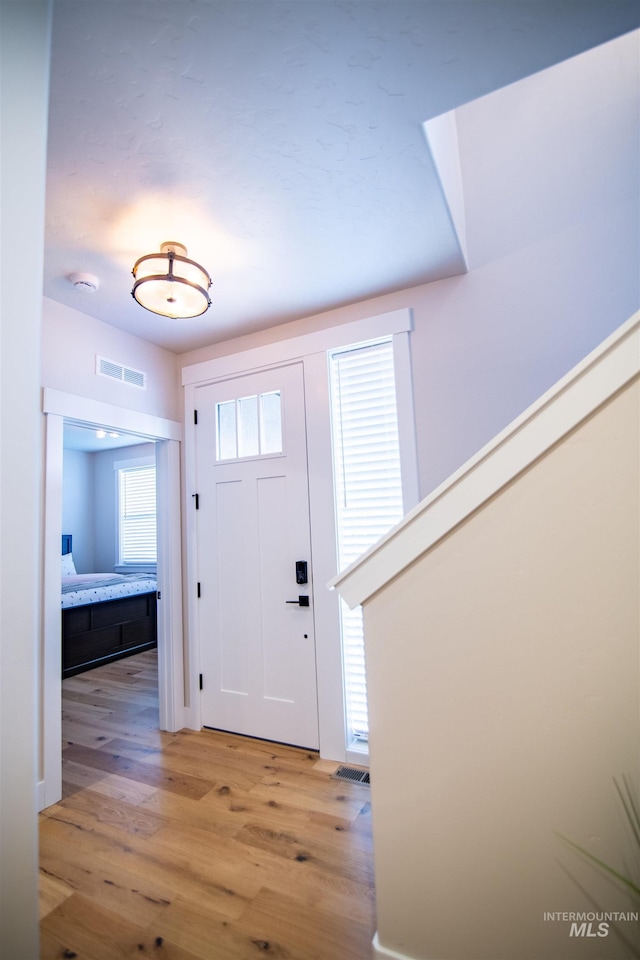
281	142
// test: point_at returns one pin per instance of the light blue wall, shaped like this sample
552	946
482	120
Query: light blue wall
78	507
89	508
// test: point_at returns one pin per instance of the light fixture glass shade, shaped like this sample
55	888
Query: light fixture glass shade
170	284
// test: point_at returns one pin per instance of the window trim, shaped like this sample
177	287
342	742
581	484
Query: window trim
346	389
128	566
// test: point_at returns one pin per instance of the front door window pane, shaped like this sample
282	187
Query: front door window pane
248	437
249	426
270	423
227	443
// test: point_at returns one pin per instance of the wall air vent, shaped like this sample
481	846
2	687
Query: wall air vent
118	371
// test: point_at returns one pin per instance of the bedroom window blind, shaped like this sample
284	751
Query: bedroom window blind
368	487
137	514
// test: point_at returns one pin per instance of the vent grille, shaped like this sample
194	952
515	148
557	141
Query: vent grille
118	371
352	774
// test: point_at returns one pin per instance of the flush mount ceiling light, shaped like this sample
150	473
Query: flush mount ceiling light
170	284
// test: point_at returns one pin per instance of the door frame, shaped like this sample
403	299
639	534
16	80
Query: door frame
254	712
311	349
58	407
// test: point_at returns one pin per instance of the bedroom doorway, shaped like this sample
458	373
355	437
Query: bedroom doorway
109	509
89	501
61	408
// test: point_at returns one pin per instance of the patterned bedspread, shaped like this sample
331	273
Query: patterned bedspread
95	587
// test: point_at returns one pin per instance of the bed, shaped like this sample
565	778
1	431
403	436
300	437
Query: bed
105	616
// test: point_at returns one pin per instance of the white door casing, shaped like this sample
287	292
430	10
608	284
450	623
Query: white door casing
257	650
311	349
58	407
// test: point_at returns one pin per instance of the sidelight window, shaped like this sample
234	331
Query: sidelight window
368	487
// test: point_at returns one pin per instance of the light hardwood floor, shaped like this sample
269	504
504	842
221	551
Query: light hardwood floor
196	846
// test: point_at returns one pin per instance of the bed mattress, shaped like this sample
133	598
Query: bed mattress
95	587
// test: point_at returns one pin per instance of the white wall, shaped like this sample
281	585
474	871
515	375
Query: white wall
551	194
503	687
24	63
70	342
552	197
78	508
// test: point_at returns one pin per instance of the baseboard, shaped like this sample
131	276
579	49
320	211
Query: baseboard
384	953
191	719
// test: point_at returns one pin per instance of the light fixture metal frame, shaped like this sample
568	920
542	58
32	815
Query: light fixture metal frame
168	251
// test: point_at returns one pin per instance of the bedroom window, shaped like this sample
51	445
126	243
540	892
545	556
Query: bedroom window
368	488
137	513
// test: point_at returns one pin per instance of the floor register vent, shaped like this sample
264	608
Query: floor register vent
352	774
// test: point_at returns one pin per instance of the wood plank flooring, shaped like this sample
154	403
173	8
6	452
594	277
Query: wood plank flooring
196	846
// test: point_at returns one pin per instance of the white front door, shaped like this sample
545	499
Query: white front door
256	638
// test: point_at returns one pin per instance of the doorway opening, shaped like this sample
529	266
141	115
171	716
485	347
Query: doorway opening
61	408
312	349
255	597
109	584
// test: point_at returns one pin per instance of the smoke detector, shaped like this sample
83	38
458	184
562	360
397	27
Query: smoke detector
84	281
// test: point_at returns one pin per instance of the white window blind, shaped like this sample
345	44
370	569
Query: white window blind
137	514
368	487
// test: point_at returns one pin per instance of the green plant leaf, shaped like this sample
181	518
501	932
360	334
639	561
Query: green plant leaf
605	866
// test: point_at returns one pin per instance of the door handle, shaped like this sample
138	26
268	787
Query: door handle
302	601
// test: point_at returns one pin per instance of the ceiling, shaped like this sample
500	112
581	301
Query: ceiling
90	439
281	142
